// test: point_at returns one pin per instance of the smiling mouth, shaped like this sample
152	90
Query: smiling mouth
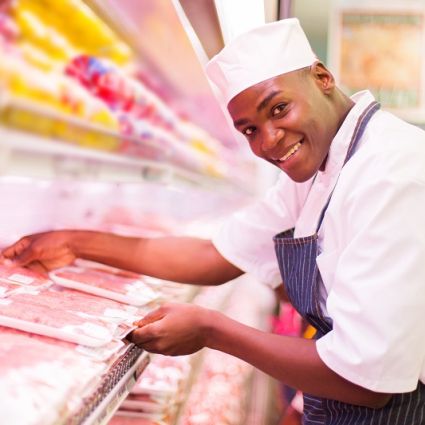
291	152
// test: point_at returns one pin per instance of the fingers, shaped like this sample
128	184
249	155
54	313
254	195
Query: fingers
5	261
151	317
48	249
20	253
149	338
57	262
142	336
38	267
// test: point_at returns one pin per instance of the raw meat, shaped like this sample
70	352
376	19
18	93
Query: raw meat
77	301
106	353
122	420
105	284
43	314
100	278
56	323
22	276
37	380
6	288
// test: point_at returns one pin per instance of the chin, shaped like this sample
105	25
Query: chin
300	176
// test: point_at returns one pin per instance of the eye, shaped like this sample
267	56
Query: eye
278	109
249	131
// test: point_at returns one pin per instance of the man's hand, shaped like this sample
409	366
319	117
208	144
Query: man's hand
173	329
41	251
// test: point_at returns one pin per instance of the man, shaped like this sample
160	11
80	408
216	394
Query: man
349	205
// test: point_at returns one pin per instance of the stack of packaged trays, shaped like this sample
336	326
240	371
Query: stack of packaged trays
158	392
57	342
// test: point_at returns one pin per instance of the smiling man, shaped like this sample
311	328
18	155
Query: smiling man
341	228
290	120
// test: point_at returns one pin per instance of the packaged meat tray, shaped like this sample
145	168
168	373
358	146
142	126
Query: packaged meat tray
55	323
81	302
118	419
6	289
22	277
105	354
102	283
37	380
150	418
144	406
162	378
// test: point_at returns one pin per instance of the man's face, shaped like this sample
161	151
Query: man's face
288	120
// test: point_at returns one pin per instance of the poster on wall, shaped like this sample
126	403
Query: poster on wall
381	47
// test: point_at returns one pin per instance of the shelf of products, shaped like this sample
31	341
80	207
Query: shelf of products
98	206
80	368
90	96
113	389
80	129
18	148
209	386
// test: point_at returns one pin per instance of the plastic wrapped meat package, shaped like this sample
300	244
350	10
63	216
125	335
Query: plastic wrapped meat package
98	356
126	420
164	289
163	376
33	371
55	322
105	284
6	289
17	278
157	392
218	395
83	303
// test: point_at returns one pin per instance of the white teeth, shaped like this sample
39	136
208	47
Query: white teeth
291	152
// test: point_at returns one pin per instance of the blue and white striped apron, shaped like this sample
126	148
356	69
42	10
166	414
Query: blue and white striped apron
300	274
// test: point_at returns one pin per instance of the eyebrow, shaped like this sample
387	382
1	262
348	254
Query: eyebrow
261	106
267	99
240	122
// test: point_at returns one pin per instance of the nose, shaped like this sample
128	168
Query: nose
270	137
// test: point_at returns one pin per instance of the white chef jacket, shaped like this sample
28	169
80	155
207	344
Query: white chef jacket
372	248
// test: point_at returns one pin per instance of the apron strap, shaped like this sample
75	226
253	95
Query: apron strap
355	138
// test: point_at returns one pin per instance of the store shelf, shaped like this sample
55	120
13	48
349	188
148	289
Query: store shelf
37	150
16	143
112	390
21	141
80	161
259	401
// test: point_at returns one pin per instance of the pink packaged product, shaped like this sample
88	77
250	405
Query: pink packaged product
118	419
32	372
56	323
6	289
104	354
163	376
219	392
102	283
23	277
164	289
158	390
81	302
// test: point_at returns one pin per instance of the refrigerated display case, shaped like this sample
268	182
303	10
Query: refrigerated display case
98	131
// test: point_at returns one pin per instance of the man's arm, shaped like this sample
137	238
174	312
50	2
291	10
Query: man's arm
176	329
292	360
180	259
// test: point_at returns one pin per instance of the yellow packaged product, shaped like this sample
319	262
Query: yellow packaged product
42	23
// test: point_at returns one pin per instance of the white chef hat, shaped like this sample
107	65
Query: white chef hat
259	54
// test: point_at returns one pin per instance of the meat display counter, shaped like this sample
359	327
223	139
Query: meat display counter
209	386
113	389
63	352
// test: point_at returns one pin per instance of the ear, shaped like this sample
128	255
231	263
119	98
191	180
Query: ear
323	77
